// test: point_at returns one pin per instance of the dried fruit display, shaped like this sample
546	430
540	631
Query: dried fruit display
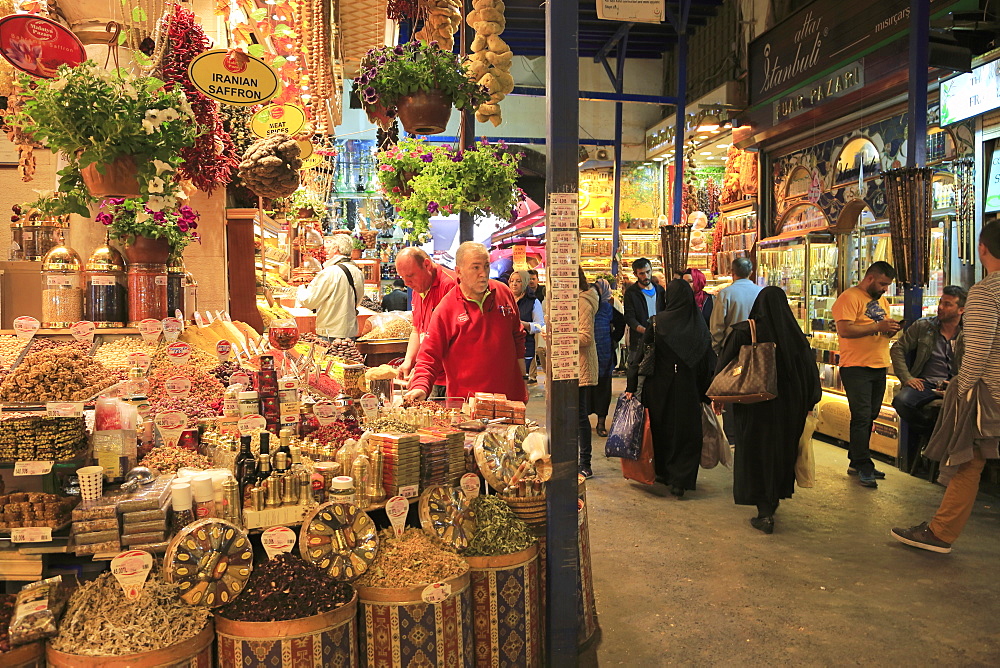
60	374
410	560
10	349
397	328
489	63
270	168
204	387
167	460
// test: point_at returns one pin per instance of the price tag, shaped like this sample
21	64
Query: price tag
139	361
171	425
369	404
177	386
150	329
397	508
240	378
179	316
325	412
131	569
26	326
409	491
223	349
251	424
83	330
277	540
179	352
160	280
289	420
31	535
172	328
32	468
435	593
59	281
471	485
64	409
103	280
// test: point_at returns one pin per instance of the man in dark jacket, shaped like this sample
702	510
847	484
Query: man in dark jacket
643	299
395	300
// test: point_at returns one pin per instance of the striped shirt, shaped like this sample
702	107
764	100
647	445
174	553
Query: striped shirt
981	329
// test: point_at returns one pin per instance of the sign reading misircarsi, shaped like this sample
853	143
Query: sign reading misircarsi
233	77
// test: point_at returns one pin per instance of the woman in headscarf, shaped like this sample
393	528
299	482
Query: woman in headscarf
532	318
701	298
769	431
609	326
684	369
586	310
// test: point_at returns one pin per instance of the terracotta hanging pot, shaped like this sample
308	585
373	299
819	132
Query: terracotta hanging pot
118	180
355	253
378	115
145	250
424	112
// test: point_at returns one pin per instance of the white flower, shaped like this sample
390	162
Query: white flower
148	127
154	115
58	84
155	185
169	114
155	203
185	106
162	167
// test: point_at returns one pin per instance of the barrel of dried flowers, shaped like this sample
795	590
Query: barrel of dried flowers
31	655
328	639
194	652
506	609
398	628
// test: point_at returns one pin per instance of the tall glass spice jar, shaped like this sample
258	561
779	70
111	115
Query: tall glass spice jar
176	287
62	288
105	301
16	241
49	233
147	292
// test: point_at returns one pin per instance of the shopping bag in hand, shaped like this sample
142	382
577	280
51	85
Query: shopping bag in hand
642	470
625	435
714	444
805	464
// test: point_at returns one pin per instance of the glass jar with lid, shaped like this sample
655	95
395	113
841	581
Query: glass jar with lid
147	292
105	301
16	241
62	288
176	280
40	236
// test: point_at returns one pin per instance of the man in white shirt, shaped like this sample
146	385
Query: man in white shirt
733	303
336	292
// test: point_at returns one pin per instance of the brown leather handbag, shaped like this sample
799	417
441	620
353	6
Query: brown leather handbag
750	378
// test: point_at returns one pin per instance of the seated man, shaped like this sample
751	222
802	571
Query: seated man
925	358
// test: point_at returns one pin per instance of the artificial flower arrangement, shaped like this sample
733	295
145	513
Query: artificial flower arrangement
128	218
95	116
389	73
422	179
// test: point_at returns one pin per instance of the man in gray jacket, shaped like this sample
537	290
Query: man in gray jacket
733	303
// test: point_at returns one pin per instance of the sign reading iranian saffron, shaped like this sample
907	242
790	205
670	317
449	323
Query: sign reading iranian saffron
38	45
233	77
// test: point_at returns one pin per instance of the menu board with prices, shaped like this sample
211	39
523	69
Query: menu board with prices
562	296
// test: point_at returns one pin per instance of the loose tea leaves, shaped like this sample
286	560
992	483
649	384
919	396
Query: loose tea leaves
287	587
100	621
498	529
410	560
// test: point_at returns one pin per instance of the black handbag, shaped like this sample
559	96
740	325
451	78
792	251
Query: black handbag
750	378
647	365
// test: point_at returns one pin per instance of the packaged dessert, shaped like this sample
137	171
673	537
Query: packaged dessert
37	610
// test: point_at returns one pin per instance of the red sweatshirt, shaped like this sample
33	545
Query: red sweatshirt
477	348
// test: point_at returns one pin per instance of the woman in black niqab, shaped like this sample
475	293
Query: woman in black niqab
764	469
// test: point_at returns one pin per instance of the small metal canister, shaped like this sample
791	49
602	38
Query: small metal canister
231	502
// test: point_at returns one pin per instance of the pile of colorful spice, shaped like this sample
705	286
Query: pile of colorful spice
167	460
287	587
386	425
498	529
410	560
100	621
199	358
190	406
337	432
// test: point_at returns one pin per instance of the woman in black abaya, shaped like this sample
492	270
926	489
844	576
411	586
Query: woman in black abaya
769	431
684	366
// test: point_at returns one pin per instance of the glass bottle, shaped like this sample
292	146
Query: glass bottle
176	287
147	292
248	480
244	458
62	288
105	300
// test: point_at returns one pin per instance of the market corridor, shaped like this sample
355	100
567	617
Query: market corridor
688	582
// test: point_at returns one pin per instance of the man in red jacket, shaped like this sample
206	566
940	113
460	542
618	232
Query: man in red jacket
475	336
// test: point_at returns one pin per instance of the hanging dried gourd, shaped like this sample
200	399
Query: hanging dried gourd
489	63
441	19
270	167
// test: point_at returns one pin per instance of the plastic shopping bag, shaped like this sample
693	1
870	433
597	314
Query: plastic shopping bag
805	464
714	444
625	435
642	469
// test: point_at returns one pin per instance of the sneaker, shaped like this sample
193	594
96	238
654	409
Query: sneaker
921	536
867	480
878	474
586	472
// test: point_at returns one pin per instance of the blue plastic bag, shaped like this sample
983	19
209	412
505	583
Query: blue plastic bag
625	435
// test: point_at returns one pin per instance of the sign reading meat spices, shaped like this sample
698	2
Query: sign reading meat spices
131	570
38	45
233	77
277	540
278	119
26	326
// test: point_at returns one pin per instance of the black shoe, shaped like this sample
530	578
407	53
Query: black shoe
867	480
921	536
878	475
677	491
586	472
765	524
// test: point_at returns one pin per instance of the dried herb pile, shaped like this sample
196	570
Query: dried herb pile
100	621
287	587
498	529
411	560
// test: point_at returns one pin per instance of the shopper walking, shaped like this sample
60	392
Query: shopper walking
733	303
609	326
968	428
863	330
684	369
702	299
769	431
530	311
587	309
335	293
643	299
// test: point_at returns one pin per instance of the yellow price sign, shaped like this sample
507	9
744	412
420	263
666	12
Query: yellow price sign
278	119
306	149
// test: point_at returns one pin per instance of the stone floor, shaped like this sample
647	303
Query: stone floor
688	582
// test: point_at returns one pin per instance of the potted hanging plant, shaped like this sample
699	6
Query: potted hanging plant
423	180
418	82
147	236
121	135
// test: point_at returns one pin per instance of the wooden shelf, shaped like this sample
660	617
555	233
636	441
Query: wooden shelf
628	233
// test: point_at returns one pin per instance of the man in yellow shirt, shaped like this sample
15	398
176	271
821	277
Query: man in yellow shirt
864	329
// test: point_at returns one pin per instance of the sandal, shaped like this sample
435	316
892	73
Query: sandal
602	431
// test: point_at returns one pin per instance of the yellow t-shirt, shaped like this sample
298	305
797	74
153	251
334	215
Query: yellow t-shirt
856	305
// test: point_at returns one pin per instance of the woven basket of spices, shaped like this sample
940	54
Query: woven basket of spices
195	652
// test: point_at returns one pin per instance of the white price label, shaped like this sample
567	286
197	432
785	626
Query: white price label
64	409
160	280
172	328
83	330
409	491
131	570
325	412
397	508
277	540
177	386
32	468
139	361
171	425
179	352
251	424
471	485
59	281
103	280
31	535
435	593
223	349
150	329
26	326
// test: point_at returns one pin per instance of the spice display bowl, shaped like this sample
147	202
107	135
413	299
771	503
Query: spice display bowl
194	652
